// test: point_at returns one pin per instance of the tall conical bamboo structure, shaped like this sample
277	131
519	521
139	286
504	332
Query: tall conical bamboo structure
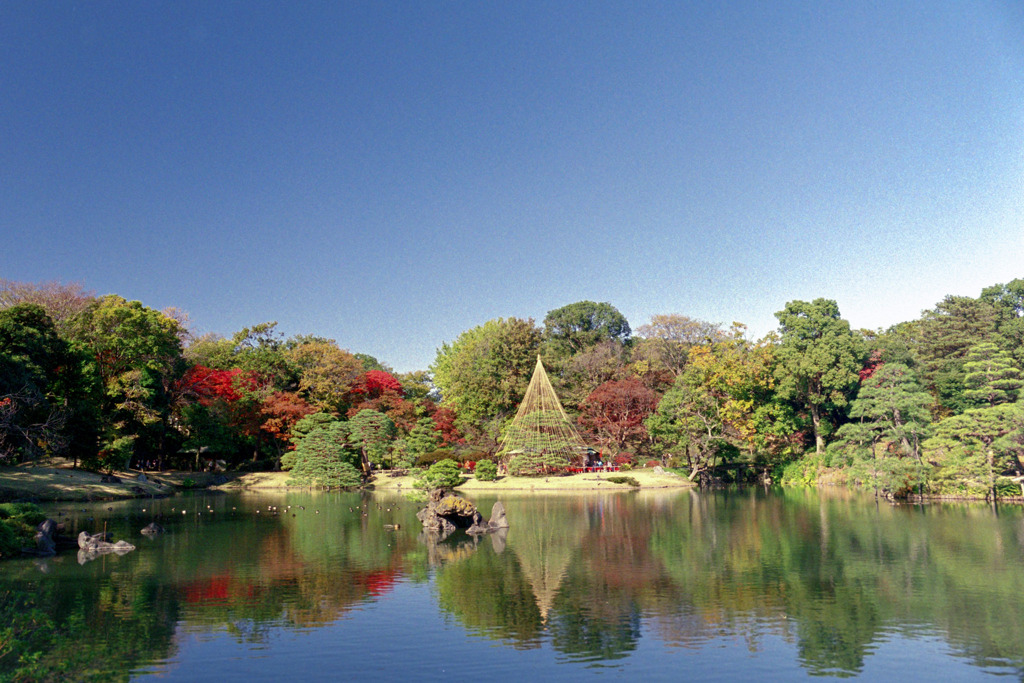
541	431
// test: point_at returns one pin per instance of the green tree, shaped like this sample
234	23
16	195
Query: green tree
818	360
486	470
371	432
46	401
136	353
423	438
942	338
1008	301
889	419
323	458
444	474
990	375
688	424
972	448
574	328
484	374
326	373
261	351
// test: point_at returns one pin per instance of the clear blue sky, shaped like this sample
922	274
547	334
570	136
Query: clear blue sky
393	174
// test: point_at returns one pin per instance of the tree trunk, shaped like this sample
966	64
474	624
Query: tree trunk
992	473
819	442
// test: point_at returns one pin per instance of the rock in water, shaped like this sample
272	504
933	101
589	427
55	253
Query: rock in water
498	519
152	529
446	512
92	546
85	539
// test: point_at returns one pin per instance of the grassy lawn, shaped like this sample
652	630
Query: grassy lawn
575	482
56	480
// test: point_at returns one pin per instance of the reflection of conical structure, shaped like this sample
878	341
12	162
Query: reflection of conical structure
545	544
541	429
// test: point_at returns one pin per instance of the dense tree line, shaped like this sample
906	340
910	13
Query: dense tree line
929	405
112	383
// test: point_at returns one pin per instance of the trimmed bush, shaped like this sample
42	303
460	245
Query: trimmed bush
486	470
443	474
623	480
474	456
536	464
326	472
434	457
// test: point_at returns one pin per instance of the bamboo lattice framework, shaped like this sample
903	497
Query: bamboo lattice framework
541	428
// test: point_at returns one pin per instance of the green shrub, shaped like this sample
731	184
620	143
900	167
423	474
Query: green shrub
803	472
324	458
331	473
443	474
17	527
474	456
486	470
434	457
536	464
188	482
623	480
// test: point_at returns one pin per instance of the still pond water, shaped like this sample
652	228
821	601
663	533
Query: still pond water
663	585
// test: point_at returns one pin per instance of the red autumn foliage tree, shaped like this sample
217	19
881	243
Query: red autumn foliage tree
208	385
614	413
380	391
279	412
444	425
374	384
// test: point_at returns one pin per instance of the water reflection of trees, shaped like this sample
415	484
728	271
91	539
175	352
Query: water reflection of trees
843	573
591	575
244	574
833	575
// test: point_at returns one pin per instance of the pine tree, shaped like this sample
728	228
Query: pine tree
991	376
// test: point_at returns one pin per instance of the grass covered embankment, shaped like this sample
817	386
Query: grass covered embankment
60	482
647	478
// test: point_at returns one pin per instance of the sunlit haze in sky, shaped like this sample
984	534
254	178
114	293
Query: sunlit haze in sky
391	174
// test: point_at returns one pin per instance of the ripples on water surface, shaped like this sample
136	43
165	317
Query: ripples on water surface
664	585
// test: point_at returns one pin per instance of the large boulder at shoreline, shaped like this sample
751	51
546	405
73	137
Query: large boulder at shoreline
445	512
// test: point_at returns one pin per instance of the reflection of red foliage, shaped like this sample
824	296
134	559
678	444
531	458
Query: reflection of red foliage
377	582
215	589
